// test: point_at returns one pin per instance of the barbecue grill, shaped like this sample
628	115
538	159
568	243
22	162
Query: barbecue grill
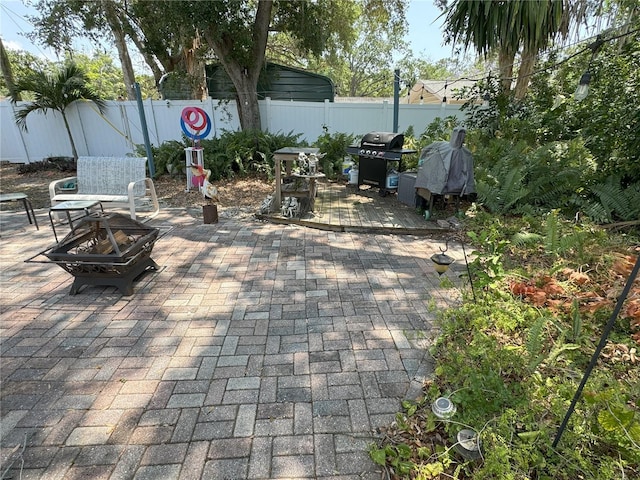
378	153
105	249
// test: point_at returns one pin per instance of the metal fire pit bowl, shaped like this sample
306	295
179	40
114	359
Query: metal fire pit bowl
106	249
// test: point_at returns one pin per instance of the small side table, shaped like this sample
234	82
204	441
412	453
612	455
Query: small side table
72	206
12	197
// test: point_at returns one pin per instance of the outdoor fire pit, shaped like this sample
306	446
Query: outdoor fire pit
106	249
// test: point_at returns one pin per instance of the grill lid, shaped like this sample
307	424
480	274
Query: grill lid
385	140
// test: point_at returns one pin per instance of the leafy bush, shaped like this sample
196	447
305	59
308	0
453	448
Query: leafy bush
516	177
232	153
611	201
167	158
550	151
334	147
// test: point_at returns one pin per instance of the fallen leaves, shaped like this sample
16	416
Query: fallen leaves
579	278
623	265
620	353
557	294
538	291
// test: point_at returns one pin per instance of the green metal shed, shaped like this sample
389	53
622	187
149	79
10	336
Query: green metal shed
277	82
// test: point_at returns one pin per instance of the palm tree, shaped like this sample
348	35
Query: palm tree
56	92
5	68
508	27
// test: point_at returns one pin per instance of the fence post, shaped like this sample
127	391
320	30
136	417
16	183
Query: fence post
145	132
267	103
327	113
396	99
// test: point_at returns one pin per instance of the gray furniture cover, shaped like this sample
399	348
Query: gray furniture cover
447	167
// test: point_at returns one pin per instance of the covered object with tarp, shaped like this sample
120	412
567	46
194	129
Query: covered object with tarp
446	168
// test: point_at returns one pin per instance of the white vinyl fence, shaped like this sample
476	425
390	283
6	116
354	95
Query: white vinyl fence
118	130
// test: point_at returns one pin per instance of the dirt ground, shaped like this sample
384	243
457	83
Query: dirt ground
245	193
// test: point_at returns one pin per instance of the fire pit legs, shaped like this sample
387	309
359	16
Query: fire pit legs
124	282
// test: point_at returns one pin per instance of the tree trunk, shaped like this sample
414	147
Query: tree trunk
245	77
248	108
149	60
194	67
7	73
123	51
527	64
506	57
73	145
127	67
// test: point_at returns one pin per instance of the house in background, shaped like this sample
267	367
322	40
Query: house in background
434	92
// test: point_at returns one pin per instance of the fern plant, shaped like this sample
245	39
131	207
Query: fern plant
555	173
504	193
617	202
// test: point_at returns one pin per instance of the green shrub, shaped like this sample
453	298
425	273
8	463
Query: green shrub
334	148
231	153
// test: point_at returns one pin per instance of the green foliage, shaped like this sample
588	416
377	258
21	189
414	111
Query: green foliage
522	239
486	267
552	237
104	77
54	91
512	368
556	173
438	130
22	64
333	146
167	158
502	194
615	202
574	156
397	456
535	342
373	29
232	153
518	178
607	118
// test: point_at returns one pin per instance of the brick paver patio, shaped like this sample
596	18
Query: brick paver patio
257	351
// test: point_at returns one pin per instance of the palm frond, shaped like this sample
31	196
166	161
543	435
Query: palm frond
55	91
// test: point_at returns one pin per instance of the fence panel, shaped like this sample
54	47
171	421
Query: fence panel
119	129
281	116
46	136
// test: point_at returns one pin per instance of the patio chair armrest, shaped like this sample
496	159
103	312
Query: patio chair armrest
56	185
150	190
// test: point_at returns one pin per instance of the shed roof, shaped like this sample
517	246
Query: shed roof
278	82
